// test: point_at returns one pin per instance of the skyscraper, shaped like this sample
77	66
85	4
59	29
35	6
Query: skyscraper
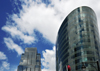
30	60
78	40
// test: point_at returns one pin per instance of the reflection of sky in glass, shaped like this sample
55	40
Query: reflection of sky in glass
77	39
30	60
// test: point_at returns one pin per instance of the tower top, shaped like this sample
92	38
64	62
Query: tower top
30	49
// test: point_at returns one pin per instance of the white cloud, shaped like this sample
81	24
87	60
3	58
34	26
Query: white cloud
15	70
45	19
64	7
35	16
49	60
1	68
6	65
2	56
12	46
15	33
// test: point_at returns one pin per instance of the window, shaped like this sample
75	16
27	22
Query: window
76	55
66	61
20	68
64	69
80	21
78	67
37	60
66	50
81	30
78	10
37	66
84	59
65	57
91	58
23	54
78	60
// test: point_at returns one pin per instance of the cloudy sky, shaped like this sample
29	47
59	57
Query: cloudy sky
34	23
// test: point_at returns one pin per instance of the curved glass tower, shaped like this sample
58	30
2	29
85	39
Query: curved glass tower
78	40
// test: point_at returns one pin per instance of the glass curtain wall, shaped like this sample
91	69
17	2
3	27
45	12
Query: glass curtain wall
78	40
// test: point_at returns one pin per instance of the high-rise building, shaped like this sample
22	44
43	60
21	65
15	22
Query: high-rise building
30	60
78	40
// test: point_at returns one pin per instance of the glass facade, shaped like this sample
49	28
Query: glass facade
78	40
30	60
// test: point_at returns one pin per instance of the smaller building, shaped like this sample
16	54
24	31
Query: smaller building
30	60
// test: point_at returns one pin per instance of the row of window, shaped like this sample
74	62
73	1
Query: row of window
85	59
64	58
63	42
86	64
37	66
80	42
83	34
79	61
65	62
83	29
37	60
82	23
80	31
63	26
81	47
27	68
22	68
65	48
77	48
82	53
81	17
62	37
64	69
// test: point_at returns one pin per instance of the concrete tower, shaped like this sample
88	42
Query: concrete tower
30	60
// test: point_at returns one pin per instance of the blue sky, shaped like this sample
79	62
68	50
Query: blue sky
34	23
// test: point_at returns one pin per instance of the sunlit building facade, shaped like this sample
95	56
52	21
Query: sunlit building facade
30	60
78	40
